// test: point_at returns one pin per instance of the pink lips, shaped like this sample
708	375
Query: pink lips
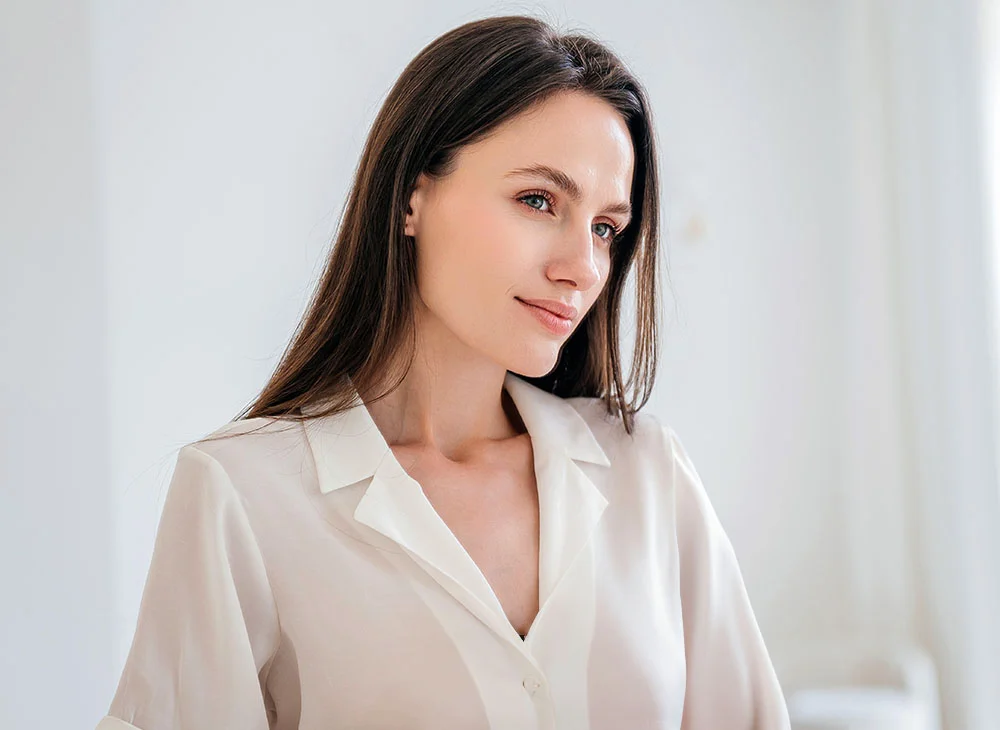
557	317
557	308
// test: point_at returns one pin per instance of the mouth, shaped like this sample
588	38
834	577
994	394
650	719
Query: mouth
554	323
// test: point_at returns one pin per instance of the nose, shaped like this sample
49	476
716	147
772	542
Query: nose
575	261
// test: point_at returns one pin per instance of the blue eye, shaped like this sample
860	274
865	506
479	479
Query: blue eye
536	198
611	233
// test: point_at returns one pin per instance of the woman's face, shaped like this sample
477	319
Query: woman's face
527	214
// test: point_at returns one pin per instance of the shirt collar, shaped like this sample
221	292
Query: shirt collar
348	447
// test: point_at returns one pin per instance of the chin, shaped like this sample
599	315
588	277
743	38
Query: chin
534	364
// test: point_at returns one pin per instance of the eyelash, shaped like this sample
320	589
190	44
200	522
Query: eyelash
547	197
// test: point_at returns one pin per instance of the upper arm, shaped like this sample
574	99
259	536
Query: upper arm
207	624
731	682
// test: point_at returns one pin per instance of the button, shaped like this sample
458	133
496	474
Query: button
531	684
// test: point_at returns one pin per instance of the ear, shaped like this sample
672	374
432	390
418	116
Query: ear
412	222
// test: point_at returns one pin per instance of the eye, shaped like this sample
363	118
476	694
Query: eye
610	234
537	200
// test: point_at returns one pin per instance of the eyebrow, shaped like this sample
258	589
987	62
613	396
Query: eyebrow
567	184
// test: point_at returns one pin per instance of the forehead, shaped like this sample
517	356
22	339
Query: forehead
577	133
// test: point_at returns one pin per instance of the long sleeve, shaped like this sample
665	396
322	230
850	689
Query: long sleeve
207	625
731	682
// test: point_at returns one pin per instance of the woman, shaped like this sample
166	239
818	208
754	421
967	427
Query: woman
445	509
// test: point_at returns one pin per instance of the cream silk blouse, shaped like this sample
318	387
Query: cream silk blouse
301	579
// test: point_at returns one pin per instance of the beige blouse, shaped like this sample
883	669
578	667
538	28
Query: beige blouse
301	579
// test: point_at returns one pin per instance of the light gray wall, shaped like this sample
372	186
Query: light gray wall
56	506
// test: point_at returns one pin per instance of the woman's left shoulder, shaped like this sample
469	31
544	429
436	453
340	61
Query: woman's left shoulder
651	437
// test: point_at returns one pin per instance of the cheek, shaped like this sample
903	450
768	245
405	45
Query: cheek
471	252
481	239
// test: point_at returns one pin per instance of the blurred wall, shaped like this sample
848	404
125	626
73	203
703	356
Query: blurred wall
56	505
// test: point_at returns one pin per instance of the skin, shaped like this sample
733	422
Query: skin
481	243
483	238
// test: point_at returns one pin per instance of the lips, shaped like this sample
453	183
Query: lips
552	322
557	308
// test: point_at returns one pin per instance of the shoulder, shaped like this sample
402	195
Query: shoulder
651	438
652	458
250	446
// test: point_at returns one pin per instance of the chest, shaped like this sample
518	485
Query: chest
492	509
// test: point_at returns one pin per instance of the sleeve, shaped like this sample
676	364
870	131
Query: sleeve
731	682
207	626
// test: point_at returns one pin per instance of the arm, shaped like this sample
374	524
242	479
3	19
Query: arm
207	625
731	682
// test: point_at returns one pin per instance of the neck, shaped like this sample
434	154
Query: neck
451	402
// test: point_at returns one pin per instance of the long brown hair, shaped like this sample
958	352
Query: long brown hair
359	322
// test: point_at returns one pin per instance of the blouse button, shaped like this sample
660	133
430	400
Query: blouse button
531	684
